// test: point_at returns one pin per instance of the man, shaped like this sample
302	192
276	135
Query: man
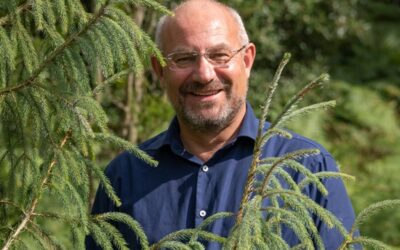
206	152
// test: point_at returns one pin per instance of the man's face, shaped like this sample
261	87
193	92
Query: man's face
204	96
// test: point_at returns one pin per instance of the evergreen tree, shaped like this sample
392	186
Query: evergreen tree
57	58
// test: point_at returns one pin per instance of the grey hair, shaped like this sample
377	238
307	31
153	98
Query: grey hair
243	36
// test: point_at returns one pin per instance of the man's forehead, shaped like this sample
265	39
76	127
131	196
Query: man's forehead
197	37
199	23
198	27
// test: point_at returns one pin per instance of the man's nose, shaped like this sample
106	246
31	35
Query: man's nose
204	71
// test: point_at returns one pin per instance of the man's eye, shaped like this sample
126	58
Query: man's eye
184	58
219	56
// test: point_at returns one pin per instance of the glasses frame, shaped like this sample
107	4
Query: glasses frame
174	67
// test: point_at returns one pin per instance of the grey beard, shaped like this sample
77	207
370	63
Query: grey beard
198	122
204	124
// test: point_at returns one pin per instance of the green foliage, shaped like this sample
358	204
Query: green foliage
50	121
58	58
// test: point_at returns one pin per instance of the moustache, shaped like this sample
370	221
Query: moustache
215	85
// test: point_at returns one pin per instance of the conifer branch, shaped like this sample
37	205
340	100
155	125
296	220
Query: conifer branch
258	144
30	214
5	19
294	155
363	215
292	102
55	53
209	221
324	175
325	215
186	233
127	220
110	80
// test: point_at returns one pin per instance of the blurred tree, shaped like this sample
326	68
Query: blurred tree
57	58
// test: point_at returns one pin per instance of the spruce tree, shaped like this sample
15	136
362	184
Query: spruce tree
56	58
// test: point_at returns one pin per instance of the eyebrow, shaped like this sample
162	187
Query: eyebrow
188	50
181	49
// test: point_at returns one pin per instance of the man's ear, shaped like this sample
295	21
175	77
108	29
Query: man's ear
249	56
157	68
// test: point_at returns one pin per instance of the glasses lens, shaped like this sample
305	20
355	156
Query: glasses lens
183	59
219	57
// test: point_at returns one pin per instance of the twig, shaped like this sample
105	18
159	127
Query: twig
31	211
110	80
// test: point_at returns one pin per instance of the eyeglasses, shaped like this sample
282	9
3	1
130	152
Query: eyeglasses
219	57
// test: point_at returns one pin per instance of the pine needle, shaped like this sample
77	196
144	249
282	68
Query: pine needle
209	220
115	235
122	144
371	243
373	209
130	222
99	236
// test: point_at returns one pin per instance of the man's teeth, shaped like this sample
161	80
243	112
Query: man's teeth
206	94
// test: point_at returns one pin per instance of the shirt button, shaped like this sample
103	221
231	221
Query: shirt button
204	168
203	213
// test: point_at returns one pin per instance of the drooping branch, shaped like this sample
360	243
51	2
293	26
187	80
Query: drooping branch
31	210
56	52
278	163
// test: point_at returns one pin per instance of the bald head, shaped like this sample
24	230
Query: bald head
199	11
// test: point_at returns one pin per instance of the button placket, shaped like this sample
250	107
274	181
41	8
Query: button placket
201	196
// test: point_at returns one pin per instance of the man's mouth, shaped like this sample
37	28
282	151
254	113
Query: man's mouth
206	93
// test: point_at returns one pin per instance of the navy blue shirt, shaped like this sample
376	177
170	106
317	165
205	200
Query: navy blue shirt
183	190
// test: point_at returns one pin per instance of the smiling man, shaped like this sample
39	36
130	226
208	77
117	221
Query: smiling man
205	153
206	79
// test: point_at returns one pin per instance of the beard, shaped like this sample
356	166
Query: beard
209	116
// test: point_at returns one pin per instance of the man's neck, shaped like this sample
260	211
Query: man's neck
204	144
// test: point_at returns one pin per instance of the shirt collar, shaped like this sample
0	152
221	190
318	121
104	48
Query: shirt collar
249	125
171	136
